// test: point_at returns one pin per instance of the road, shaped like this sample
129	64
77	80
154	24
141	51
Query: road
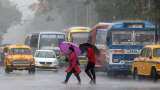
51	80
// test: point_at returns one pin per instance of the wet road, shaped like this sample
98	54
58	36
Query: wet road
50	80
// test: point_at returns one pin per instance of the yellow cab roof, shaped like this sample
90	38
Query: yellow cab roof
153	46
18	46
79	29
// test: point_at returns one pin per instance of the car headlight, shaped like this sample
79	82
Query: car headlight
36	62
55	62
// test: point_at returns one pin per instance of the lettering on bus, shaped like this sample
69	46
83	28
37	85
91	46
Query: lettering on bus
135	26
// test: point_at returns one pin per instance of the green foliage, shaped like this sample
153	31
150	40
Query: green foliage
128	9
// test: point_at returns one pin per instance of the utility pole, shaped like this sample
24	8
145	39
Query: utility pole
156	22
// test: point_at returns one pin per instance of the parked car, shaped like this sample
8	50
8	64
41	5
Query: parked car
148	63
46	59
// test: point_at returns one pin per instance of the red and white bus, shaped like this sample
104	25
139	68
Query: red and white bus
98	38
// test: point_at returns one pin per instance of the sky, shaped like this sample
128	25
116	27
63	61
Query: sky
28	16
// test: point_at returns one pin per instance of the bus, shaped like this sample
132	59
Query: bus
78	35
98	38
45	40
124	41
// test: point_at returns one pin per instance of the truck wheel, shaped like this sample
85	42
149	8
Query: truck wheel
154	75
135	74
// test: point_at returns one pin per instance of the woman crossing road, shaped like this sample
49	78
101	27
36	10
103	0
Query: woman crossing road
90	69
73	66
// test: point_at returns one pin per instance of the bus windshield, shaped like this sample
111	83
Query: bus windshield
50	40
133	37
101	36
80	38
144	37
122	38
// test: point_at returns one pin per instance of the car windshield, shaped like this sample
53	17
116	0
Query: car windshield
144	37
14	51
80	38
156	52
45	54
122	38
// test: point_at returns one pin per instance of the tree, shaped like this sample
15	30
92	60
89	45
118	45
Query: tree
124	9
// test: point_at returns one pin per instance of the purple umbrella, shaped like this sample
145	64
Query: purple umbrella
64	46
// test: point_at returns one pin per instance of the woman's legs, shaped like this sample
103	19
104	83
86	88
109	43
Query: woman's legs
88	72
67	77
93	73
78	78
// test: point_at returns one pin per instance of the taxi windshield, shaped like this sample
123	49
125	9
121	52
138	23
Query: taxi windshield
14	51
156	52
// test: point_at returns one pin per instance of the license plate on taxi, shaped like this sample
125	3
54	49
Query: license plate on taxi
21	67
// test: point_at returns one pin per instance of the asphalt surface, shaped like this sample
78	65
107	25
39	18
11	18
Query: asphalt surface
52	80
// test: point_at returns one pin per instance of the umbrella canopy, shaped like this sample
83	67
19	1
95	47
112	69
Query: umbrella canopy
85	46
64	47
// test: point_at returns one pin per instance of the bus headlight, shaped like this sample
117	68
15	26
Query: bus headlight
120	51
115	60
122	61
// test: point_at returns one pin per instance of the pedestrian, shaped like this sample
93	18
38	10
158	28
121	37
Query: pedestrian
90	69
73	66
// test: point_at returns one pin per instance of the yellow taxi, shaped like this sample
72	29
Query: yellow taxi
18	57
148	63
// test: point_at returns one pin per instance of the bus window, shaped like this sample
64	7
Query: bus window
108	39
144	37
101	36
27	41
122	37
34	41
80	38
51	40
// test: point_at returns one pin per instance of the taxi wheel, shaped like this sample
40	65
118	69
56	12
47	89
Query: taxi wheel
31	71
55	70
154	75
7	70
135	74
